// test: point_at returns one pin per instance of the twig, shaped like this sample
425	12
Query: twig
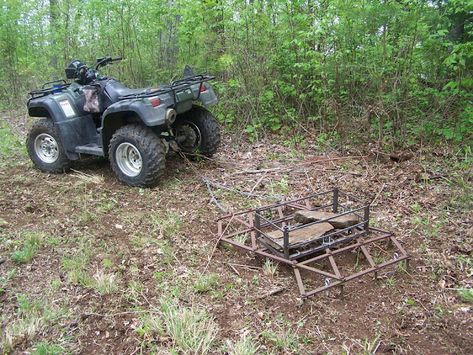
233	268
272	292
377	195
257	183
216	244
248	267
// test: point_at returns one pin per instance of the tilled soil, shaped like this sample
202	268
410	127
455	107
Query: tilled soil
160	243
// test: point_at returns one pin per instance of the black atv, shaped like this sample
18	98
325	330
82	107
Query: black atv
134	128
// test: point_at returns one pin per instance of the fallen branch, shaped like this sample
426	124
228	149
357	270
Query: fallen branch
272	292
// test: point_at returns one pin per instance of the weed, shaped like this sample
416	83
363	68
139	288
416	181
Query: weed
44	348
5	279
75	267
369	346
466	264
402	266
192	330
270	268
283	340
107	263
391	282
133	291
10	146
241	238
416	207
30	243
466	295
104	283
32	318
166	225
244	346
205	283
410	302
150	324
86	216
280	187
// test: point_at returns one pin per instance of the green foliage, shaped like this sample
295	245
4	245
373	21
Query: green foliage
466	295
10	147
29	243
391	71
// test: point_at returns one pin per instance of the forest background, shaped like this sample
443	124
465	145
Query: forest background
397	73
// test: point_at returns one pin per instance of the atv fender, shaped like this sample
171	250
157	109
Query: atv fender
74	130
208	97
130	111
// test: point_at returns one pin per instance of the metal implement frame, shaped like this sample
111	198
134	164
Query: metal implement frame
234	229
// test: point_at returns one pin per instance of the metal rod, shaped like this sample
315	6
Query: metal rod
335	200
286	241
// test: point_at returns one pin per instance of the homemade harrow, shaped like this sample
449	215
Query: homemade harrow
324	237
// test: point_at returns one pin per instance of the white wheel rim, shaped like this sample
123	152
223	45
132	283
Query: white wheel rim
46	148
128	159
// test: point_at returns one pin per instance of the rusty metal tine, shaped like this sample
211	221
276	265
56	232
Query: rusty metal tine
323	288
300	284
333	264
367	256
318	271
252	234
398	245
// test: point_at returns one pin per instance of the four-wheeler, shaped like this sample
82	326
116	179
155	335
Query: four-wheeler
133	128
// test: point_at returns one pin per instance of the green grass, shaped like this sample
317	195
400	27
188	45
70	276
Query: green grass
245	346
45	348
205	283
4	280
104	283
29	242
31	318
192	330
166	224
466	295
10	147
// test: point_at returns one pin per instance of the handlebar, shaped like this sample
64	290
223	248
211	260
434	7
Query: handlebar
101	62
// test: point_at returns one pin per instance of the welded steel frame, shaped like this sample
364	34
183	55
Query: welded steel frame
247	223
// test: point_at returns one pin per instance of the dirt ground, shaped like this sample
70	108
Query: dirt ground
89	265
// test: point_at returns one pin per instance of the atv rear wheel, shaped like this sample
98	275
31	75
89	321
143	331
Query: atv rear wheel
198	132
137	155
45	148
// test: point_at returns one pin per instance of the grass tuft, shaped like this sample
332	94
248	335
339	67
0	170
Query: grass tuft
466	295
29	244
205	283
105	283
192	330
244	346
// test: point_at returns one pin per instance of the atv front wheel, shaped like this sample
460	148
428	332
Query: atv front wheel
45	148
198	132
137	155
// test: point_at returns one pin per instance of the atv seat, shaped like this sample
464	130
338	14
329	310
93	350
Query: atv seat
115	89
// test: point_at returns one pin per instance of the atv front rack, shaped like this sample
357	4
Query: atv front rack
58	86
174	87
320	261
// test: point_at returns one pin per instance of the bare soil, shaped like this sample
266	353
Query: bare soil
158	242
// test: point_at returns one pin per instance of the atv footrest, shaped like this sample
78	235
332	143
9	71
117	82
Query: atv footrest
92	149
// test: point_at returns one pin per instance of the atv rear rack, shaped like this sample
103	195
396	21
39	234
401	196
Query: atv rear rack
174	87
320	262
